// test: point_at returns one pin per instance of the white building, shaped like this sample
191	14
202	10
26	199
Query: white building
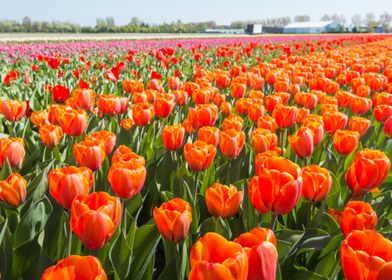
311	27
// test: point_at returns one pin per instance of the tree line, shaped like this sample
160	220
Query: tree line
368	23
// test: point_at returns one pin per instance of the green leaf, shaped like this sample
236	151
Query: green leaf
6	170
120	256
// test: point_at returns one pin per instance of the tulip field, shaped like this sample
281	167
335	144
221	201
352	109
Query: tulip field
199	158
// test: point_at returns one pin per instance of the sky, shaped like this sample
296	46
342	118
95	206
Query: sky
85	12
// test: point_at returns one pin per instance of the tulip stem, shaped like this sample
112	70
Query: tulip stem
274	217
124	215
228	173
178	261
196	181
69	247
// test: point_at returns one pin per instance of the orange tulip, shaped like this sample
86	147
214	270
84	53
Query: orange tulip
174	83
367	171
357	215
84	98
334	121
231	142
345	141
13	190
69	182
302	115
225	108
285	116
388	127
359	124
127	123
127	178
90	153
39	118
232	122
344	98
302	142
267	122
213	257
260	246
238	90
173	136
271	101
13	110
106	137
202	96
142	113
173	219
13	150
74	268
223	201
155	84
50	135
317	131
382	112
365	255
199	155
203	115
255	111
309	100
133	86
317	182
123	154
277	187
360	105
209	134
164	105
181	97
263	140
110	104
72	122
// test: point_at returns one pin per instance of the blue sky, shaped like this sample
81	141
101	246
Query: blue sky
85	12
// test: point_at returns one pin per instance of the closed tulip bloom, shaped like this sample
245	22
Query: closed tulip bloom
345	141
302	142
54	112
72	122
385	272
388	127
202	96
164	105
84	98
123	154
360	105
364	255
106	137
173	136
174	83
223	201
382	98
382	112
127	123
213	257
267	122
238	90
155	84
60	93
260	246
199	155
334	121
277	187
225	108
309	100
173	219
69	182
110	104
39	118
181	97
233	121
203	115
209	134
50	135
13	190
241	105
302	115
317	182
285	116
231	142
357	215
261	157
255	111
13	150
90	153
263	140
142	113
74	268
271	101
94	218
367	171
127	179
317	131
13	110
344	98
359	124
133	86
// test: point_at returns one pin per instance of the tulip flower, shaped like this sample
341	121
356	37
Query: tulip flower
317	182
84	98
302	142
231	142
317	131
267	122
359	124
365	255
223	201
164	105
127	178
260	246
255	111
285	116
213	257
302	115
69	182
90	153
60	93
199	155
382	112
173	219
358	215
232	122
13	190
50	135
13	110
360	105
73	122
264	140
112	105
142	113
277	187
271	101
388	127
367	171
39	118
94	218
334	121
123	154
13	150
106	137
174	83
209	135
74	268
203	115
181	97
173	137
345	141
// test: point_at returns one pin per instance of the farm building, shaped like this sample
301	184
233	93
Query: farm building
311	27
